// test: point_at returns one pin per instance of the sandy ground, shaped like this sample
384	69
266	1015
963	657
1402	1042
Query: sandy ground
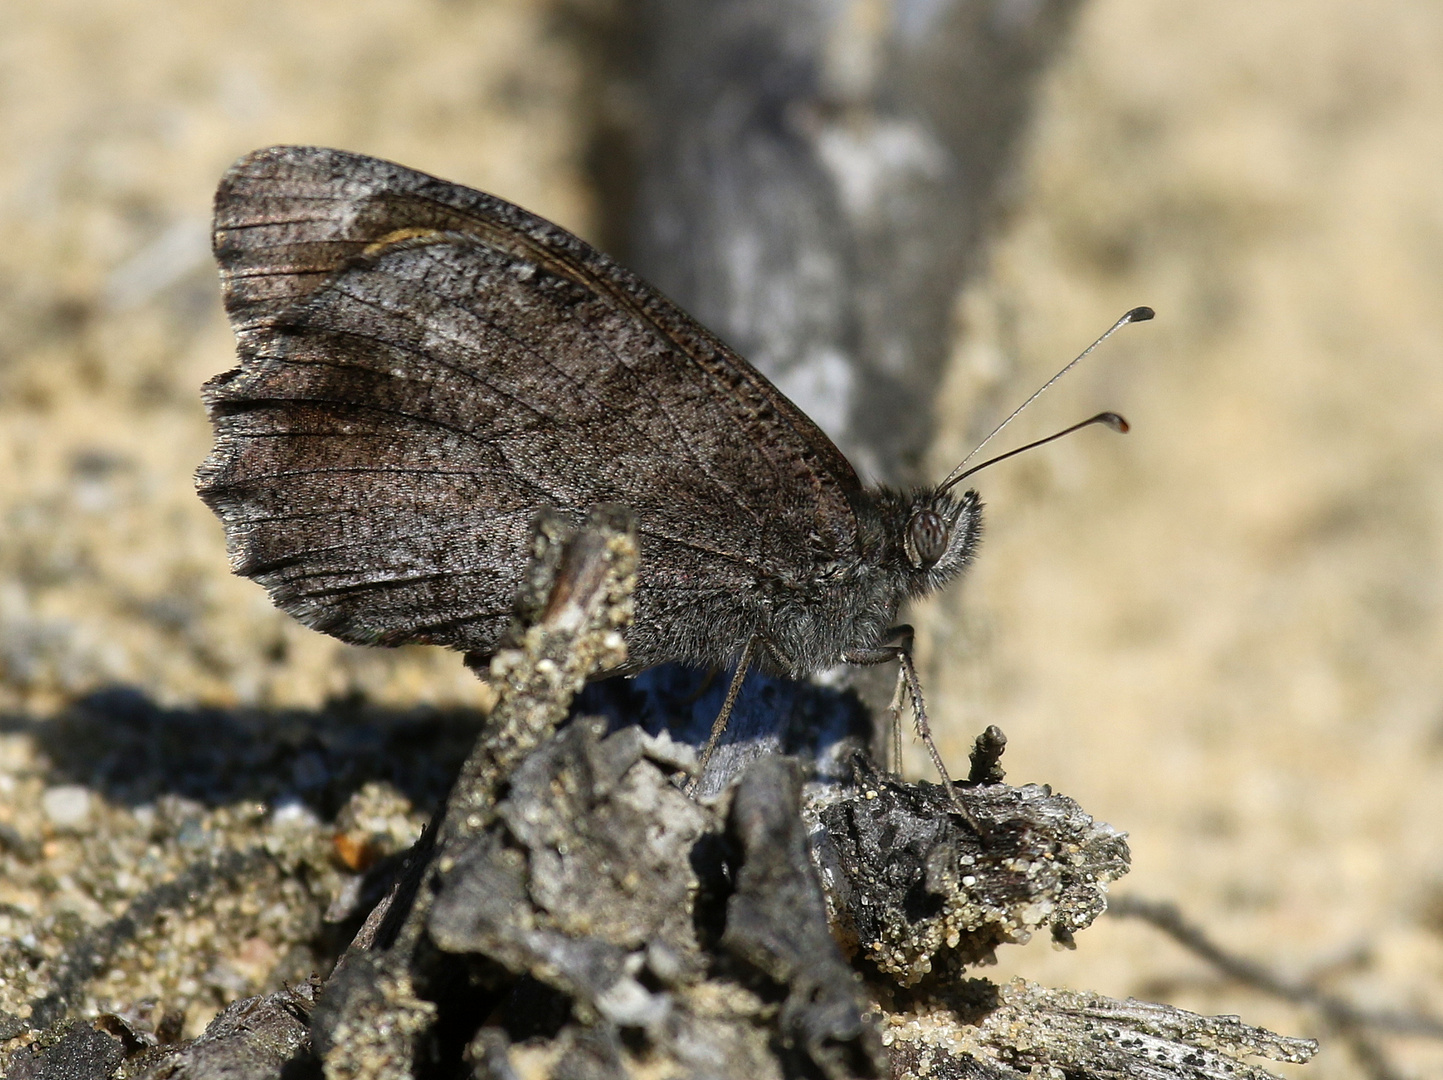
1223	633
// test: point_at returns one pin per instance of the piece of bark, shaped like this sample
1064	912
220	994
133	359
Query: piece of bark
918	892
776	920
980	1030
577	596
252	1039
587	868
586	886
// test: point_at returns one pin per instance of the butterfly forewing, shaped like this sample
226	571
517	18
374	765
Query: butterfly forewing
423	367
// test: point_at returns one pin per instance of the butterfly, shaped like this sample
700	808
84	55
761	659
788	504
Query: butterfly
423	367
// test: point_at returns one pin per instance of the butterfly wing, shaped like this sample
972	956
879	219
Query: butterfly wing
422	367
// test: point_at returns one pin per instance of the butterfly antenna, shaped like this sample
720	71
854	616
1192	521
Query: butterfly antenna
1111	419
1137	314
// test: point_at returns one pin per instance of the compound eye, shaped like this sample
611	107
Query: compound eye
927	536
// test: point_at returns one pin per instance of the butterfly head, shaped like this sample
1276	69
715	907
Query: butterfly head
939	537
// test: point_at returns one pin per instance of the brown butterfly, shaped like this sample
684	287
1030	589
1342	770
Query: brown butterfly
423	367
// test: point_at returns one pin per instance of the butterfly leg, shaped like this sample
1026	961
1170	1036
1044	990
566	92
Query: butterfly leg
894	727
719	725
899	696
907	678
908	684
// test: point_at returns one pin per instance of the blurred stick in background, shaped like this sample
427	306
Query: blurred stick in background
812	181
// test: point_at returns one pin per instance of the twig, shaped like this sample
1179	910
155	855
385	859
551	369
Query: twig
1347	1019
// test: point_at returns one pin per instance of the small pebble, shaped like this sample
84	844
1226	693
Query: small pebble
291	812
66	806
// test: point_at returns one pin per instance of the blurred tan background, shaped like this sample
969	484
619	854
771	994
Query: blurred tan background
1223	633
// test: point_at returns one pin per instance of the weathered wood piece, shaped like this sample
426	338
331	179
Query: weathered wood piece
919	894
980	1030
